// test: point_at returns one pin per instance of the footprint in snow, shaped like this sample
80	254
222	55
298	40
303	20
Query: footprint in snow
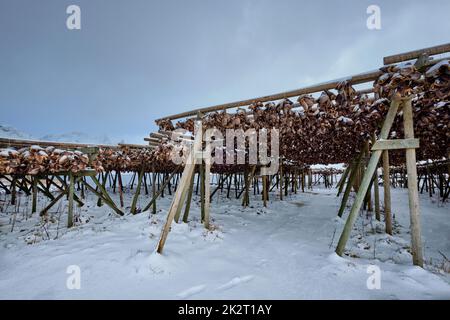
191	291
235	281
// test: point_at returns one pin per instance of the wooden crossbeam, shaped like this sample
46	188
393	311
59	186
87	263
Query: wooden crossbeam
372	165
365	77
7	142
416	54
396	144
102	194
416	245
356	79
157	194
135	146
183	185
150	139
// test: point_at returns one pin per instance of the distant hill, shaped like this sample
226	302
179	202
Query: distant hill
76	136
7	131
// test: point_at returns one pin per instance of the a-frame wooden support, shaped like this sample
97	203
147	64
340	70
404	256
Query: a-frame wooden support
409	143
183	186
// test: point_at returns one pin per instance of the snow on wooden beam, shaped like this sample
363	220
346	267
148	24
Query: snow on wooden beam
7	142
416	54
356	79
135	146
396	144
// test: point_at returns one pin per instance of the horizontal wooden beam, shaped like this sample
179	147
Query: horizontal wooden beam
356	79
416	54
135	146
158	135
83	147
396	144
152	139
7	142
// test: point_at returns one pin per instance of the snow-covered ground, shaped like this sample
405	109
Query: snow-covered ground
285	251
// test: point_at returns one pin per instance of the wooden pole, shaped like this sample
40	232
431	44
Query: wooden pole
303	180
416	54
160	191
207	189
145	184
53	202
138	191
341	182
376	192
189	199
387	193
119	179
248	177
264	182
65	186
353	173
154	191
82	195
202	191
185	178
102	194
13	190
183	198
281	181
35	190
373	162
71	191
414	209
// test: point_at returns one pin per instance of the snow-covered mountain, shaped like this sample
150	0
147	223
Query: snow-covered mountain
7	131
77	136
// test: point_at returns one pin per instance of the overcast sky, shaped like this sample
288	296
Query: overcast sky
135	61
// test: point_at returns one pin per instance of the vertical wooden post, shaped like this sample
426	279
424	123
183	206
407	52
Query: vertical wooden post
295	181
264	182
132	180
248	178
353	173
119	179
154	191
189	199
35	189
202	190
281	181
71	192
373	162
185	178
138	191
182	201
343	179
310	177
416	238
188	170
145	184
303	180
387	193
286	184
82	195
376	192
230	180
13	190
369	191
207	189
115	183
